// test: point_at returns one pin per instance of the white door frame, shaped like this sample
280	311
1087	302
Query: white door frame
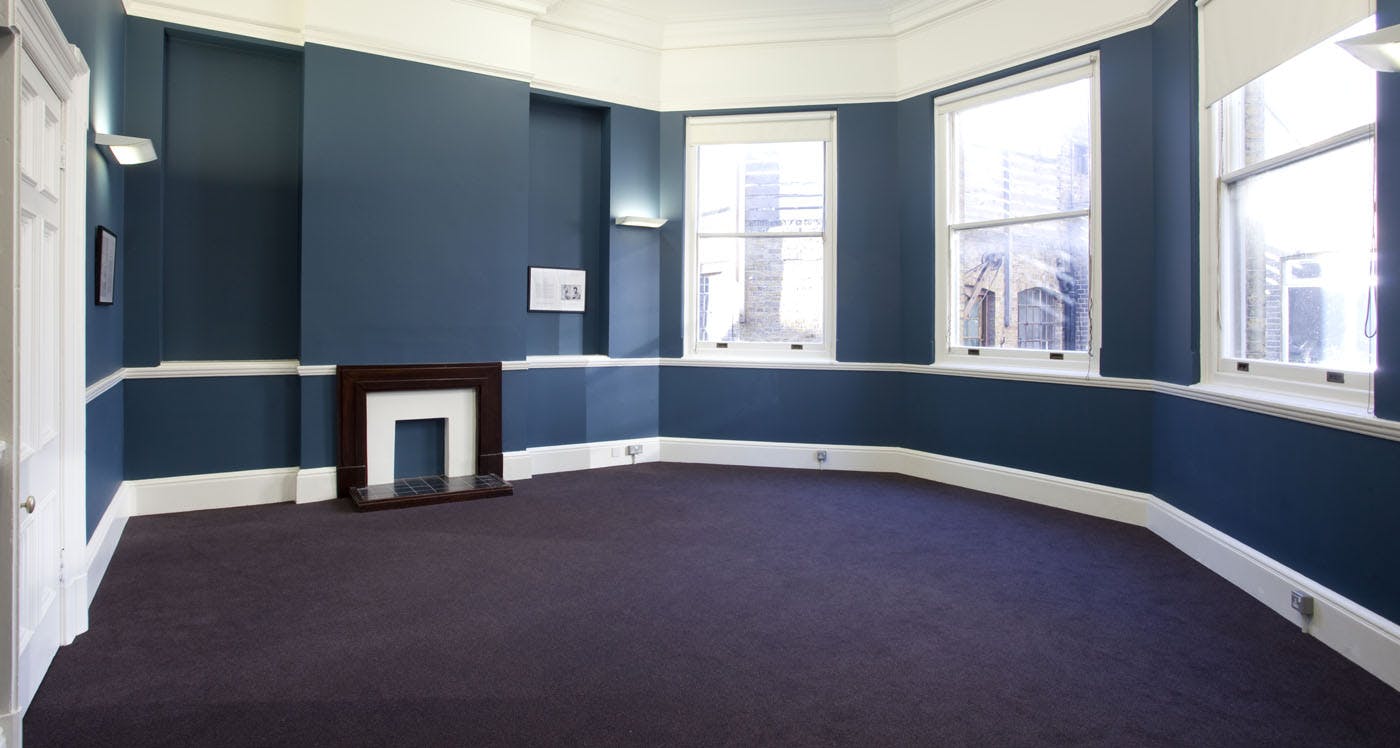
32	28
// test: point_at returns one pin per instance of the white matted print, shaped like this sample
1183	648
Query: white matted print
557	289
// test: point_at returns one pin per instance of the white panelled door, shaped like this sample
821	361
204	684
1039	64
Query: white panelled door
38	503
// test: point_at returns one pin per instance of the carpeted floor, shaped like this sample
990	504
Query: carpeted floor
680	604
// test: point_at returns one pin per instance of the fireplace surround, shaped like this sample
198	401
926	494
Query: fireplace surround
467	395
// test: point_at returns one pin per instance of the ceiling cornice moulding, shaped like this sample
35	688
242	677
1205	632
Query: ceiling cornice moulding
946	76
761	29
267	26
532	8
604	20
623	51
388	48
915	15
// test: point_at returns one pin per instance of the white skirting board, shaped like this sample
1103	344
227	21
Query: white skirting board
213	491
315	484
1364	637
1367	639
567	457
105	537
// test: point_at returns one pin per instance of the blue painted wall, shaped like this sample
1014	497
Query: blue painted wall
1321	501
1128	205
420	448
1177	191
914	178
572	406
106	431
515	409
210	425
99	30
142	249
232	216
1086	433
1387	379
671	261
568	194
829	407
633	254
868	278
414	212
320	421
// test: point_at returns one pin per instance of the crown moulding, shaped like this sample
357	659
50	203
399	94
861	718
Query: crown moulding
633	52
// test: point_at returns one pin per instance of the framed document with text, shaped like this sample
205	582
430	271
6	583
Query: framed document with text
557	290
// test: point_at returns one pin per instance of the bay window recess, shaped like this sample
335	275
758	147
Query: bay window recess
760	254
1289	225
1016	206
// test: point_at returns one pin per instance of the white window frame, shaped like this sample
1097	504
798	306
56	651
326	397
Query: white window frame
948	348
760	128
1301	384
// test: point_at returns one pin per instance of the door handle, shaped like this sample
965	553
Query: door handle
28	505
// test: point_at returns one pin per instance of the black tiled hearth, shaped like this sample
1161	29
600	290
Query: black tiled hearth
427	490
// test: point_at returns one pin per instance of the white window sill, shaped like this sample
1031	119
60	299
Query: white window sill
759	361
1329	413
1269	398
1067	371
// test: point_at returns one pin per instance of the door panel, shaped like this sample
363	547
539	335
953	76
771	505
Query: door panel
39	502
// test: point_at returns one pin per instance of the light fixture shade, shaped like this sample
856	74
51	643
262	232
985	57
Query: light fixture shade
1379	49
128	150
641	221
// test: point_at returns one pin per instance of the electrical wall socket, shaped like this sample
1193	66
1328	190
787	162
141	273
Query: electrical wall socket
634	449
821	455
1303	603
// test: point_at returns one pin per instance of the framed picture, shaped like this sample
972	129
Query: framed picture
557	290
106	265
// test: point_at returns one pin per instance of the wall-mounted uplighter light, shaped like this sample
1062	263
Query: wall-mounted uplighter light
1379	49
128	150
641	221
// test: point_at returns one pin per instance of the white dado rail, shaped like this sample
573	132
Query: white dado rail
1340	417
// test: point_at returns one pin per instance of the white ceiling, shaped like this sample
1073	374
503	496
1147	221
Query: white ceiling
687	24
671	11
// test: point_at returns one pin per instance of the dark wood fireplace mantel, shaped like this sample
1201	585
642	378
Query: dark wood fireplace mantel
352	473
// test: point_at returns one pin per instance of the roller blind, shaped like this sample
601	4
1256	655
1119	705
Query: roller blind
1243	39
793	127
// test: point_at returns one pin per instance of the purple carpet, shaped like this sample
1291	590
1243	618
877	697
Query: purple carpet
670	604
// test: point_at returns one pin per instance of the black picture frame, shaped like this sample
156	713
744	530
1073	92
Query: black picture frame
544	282
105	287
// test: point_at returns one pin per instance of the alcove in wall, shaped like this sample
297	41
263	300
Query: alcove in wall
568	219
232	200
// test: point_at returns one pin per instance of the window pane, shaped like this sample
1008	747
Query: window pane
1024	285
761	187
1300	260
1318	94
1025	156
760	290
